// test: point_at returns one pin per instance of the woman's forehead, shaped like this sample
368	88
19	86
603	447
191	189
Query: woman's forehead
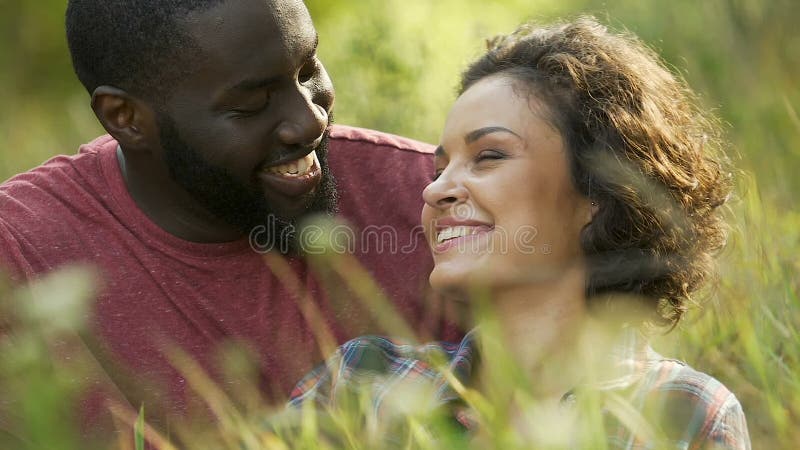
499	101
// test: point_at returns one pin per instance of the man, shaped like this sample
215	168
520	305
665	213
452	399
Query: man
219	116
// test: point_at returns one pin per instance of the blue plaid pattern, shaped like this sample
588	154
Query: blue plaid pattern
702	412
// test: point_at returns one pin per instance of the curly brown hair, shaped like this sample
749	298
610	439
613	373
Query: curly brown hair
640	147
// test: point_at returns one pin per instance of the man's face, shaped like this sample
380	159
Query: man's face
245	131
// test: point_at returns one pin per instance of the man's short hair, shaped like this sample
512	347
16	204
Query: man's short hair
139	46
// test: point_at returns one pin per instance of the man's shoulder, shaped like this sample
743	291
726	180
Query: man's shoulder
60	167
30	199
41	209
374	169
343	136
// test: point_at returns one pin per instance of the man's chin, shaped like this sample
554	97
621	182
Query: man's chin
293	209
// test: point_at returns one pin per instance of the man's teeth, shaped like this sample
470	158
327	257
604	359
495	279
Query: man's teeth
297	167
455	232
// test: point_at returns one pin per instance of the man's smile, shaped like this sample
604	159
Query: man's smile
294	178
297	168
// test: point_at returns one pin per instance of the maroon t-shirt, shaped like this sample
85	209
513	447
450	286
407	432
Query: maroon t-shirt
159	290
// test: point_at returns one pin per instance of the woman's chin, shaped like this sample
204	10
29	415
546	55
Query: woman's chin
458	280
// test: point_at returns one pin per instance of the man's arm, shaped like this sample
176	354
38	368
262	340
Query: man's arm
13	263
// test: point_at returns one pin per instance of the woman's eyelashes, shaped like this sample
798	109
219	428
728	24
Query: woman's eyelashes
490	155
482	158
488	159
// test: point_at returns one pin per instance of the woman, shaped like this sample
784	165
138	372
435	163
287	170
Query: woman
576	183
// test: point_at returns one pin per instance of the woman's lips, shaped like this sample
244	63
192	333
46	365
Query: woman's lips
464	237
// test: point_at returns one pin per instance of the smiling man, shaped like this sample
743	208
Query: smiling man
230	129
219	122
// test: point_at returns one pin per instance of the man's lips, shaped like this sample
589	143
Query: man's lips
292	178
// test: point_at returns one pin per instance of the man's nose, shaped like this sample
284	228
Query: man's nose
305	120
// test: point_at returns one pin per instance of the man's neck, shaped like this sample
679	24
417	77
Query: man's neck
170	207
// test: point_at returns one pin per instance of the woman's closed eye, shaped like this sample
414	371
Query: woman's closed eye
490	155
483	157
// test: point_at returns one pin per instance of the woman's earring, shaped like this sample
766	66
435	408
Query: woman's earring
592	211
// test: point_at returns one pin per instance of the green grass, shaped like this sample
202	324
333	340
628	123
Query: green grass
395	65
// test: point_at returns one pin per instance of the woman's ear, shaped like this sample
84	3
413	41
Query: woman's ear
128	119
591	210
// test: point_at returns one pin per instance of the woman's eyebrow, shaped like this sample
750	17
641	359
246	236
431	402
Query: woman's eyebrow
474	135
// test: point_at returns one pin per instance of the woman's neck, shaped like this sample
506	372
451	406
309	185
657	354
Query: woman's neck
542	326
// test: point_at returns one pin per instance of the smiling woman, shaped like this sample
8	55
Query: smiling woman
583	136
501	168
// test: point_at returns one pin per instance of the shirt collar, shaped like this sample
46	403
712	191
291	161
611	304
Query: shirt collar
629	359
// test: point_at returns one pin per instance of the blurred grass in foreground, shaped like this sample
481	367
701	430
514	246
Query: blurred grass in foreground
750	346
395	66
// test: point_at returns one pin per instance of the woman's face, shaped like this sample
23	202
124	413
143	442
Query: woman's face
502	210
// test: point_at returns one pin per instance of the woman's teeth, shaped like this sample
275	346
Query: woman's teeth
296	168
455	232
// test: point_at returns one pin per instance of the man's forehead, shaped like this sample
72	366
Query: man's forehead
239	24
245	43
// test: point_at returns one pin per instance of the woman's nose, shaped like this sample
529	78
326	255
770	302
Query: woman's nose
445	191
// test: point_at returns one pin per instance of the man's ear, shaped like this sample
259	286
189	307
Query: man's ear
131	121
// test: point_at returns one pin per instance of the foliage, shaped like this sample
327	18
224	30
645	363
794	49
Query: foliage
395	64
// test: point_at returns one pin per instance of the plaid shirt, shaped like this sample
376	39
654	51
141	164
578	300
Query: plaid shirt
704	413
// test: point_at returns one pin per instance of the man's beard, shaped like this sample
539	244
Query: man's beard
238	204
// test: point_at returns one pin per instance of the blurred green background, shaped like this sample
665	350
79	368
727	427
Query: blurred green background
395	65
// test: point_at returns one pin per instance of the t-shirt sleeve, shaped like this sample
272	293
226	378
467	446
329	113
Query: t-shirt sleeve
380	177
12	259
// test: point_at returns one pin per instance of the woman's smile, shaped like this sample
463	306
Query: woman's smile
502	179
462	235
